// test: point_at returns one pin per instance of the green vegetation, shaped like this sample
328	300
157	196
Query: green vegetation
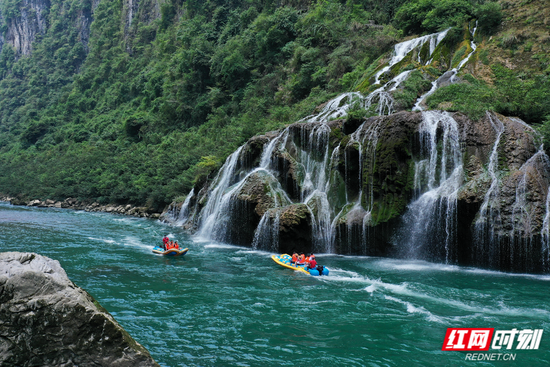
412	88
511	94
142	109
147	108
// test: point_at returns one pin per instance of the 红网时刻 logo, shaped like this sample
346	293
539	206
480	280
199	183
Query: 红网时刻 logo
481	339
500	342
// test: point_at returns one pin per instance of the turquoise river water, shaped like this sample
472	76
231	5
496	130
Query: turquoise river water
223	305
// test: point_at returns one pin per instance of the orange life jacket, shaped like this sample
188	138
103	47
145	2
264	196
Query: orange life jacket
294	258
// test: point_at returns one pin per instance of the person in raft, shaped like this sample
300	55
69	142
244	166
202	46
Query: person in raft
165	241
176	246
294	258
312	262
301	259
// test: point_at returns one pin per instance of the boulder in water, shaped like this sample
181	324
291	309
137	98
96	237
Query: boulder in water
46	320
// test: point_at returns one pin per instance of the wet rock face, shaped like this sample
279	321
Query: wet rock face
295	229
252	152
46	320
482	186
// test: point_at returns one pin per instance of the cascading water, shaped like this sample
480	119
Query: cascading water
218	199
522	217
333	182
339	106
184	211
473	46
266	235
447	76
218	210
314	158
438	176
314	161
531	179
365	141
404	48
336	108
545	234
489	214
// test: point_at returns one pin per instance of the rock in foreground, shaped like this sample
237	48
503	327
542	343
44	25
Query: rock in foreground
46	320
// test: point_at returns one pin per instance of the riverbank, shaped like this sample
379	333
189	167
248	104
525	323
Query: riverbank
72	203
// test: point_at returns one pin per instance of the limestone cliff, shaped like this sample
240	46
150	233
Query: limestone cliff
24	21
23	24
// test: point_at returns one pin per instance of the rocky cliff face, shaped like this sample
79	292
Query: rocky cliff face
26	22
426	185
46	320
28	19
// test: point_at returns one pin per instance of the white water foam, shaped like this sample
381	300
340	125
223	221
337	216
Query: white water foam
414	309
109	241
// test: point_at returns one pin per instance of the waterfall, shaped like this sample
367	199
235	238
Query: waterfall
489	213
218	198
335	203
431	219
266	235
486	211
473	46
402	49
339	106
449	75
522	217
315	159
525	211
184	211
336	108
545	233
367	138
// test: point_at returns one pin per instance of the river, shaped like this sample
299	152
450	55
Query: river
223	305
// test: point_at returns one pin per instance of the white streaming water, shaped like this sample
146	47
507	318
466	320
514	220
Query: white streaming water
489	215
212	211
485	213
339	106
545	233
404	48
184	210
336	108
266	235
525	210
449	75
431	218
439	176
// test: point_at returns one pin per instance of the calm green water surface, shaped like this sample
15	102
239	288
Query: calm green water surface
223	305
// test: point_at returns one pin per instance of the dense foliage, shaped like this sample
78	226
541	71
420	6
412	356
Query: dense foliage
143	107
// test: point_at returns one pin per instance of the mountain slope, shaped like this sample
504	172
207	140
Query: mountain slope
135	102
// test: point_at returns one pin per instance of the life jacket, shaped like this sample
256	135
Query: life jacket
176	246
169	245
294	258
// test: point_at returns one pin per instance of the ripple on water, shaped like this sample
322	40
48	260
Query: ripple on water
228	305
